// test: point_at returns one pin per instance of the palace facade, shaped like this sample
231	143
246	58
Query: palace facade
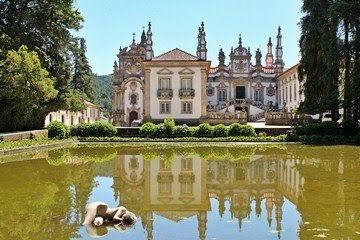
186	88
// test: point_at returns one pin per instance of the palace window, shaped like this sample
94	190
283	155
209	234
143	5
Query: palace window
165	188
133	99
286	94
295	93
186	187
279	96
165	107
186	84
165	84
259	95
164	165
222	95
290	93
186	164
186	107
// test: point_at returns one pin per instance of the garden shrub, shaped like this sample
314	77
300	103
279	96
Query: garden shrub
97	129
220	130
57	130
102	129
350	127
148	130
182	131
247	130
237	130
80	130
204	130
167	128
322	129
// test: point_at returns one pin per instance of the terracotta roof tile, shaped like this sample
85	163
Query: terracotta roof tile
176	55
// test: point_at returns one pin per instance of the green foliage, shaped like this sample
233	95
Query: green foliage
204	130
103	93
248	131
220	130
321	129
237	129
97	129
22	23
83	77
26	89
167	128
350	127
57	130
183	131
148	130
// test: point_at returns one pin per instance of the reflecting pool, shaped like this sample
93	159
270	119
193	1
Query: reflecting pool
184	191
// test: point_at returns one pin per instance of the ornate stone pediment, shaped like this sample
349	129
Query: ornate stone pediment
165	71
222	85
186	71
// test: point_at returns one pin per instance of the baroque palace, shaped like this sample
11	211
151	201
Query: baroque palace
186	88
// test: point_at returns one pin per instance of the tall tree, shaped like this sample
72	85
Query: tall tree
330	56
26	89
43	26
312	66
83	77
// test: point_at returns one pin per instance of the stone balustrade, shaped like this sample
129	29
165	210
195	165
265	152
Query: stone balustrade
227	118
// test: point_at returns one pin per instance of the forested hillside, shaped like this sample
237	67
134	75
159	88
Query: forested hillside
103	92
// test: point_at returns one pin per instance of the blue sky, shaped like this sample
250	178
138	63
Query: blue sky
109	24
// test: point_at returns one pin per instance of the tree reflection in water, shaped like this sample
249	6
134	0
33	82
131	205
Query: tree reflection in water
47	199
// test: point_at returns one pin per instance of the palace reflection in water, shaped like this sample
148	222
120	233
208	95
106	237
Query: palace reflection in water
183	187
191	192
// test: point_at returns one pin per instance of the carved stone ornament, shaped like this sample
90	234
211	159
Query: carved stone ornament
270	91
210	90
133	86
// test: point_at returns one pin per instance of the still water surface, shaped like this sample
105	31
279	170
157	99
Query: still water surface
184	191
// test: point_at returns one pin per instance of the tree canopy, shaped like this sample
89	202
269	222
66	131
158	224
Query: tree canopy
329	47
46	28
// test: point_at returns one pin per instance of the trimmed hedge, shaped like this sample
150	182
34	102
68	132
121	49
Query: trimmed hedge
220	130
168	129
204	130
148	130
237	129
322	129
57	130
97	129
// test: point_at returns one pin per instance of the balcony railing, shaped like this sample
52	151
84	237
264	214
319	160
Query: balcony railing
186	92
165	93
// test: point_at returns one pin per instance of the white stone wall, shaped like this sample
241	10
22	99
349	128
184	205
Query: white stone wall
289	90
90	115
176	102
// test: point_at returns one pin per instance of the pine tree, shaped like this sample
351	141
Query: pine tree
83	77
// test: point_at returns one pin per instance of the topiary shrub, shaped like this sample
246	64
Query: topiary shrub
237	130
204	130
234	129
57	130
80	130
220	130
247	131
148	130
97	129
102	129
